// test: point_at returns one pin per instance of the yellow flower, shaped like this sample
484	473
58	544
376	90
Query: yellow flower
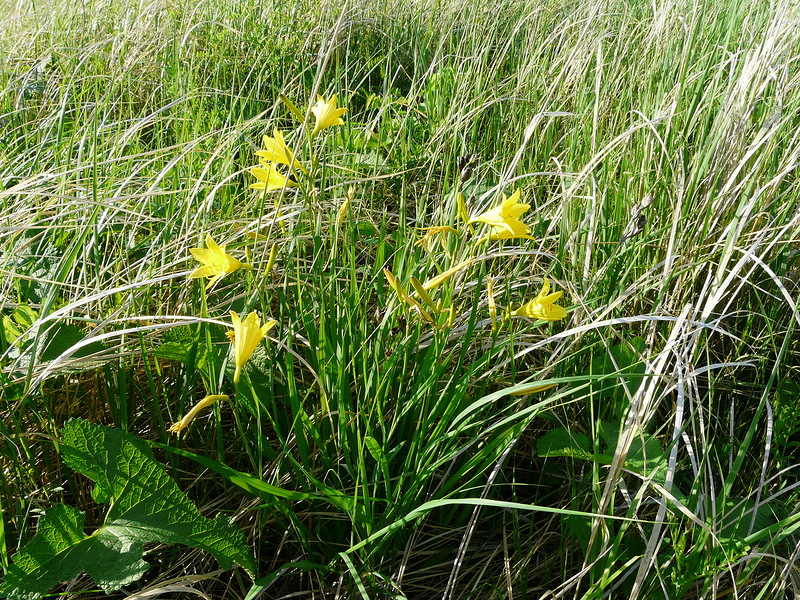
186	420
431	233
504	219
246	335
542	307
270	178
276	151
327	114
216	262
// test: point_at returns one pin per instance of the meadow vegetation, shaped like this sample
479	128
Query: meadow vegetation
518	322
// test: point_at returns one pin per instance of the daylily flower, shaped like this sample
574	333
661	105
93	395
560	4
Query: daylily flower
504	219
186	420
216	262
432	233
246	336
543	307
276	151
270	178
327	114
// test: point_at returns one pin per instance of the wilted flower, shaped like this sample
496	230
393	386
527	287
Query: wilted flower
543	307
216	262
504	219
269	178
431	233
466	164
189	417
327	114
246	335
276	151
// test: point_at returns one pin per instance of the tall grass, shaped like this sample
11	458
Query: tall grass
657	144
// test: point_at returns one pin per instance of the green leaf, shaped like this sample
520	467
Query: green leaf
247	483
645	458
563	442
145	505
19	321
376	450
60	550
367	232
737	520
298	114
63	336
648	459
619	368
182	345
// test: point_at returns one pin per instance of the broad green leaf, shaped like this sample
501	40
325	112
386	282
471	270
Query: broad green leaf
60	550
621	364
63	336
19	321
375	449
563	442
647	458
181	344
145	505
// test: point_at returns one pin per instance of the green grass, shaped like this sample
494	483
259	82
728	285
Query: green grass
662	462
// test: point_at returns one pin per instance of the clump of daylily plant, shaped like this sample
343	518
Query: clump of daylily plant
505	223
278	169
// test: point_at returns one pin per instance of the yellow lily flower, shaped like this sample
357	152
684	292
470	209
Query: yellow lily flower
276	151
186	420
246	336
327	114
543	307
431	234
504	219
216	262
270	178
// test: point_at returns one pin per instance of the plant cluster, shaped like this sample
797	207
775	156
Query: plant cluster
513	313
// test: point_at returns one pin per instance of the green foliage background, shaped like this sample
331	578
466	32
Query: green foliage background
367	453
